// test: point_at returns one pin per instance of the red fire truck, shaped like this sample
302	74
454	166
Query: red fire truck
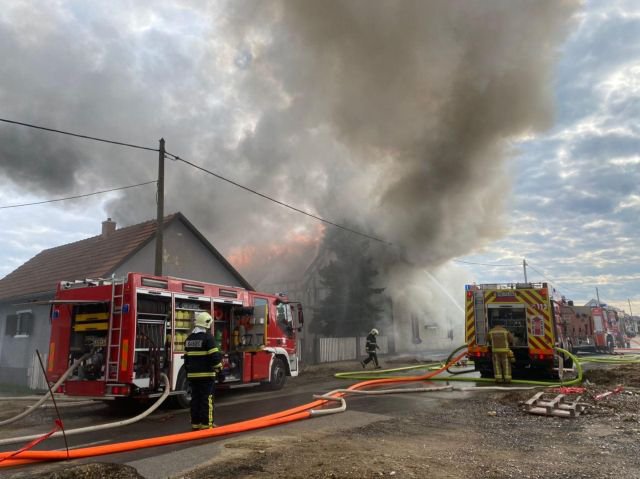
586	328
132	330
532	315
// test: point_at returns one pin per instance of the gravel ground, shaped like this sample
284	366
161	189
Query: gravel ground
488	435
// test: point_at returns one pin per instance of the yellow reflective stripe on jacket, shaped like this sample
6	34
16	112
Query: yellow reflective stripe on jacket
500	350
210	374
202	353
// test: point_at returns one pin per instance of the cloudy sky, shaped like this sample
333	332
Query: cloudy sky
460	132
575	211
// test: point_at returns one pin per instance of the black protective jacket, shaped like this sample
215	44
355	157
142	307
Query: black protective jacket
371	343
201	358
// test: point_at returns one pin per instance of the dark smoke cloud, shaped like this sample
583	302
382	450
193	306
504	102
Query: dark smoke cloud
394	115
425	97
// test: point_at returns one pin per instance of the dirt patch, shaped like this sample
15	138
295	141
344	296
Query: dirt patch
625	375
98	470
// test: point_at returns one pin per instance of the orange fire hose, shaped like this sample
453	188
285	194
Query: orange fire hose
289	415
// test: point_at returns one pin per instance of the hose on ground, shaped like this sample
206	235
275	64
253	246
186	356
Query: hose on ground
464	346
62	379
100	427
278	418
438	366
626	359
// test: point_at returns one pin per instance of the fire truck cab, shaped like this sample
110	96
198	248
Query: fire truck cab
129	331
528	311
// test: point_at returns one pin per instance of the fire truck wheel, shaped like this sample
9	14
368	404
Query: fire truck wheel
183	400
278	375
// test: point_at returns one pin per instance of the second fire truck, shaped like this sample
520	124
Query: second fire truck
532	315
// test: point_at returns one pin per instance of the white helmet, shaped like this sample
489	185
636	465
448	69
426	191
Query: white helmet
374	331
204	320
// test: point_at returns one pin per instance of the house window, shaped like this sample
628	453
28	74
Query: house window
19	324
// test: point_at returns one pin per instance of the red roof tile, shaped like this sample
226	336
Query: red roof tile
89	258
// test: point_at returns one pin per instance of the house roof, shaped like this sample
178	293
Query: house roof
95	257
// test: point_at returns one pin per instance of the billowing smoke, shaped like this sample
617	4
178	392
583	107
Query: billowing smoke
425	97
394	116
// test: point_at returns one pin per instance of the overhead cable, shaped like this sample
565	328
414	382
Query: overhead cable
487	264
550	280
77	196
281	203
86	137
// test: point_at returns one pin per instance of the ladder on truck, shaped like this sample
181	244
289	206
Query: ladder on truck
114	344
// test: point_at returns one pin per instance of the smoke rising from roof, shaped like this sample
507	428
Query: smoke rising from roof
424	96
396	116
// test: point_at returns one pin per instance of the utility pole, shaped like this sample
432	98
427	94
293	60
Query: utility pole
524	267
160	215
630	311
598	296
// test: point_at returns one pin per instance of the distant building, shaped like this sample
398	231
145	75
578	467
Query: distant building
24	313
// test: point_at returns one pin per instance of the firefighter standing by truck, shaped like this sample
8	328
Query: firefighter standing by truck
202	360
500	340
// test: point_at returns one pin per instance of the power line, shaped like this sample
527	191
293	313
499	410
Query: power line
281	203
540	273
86	137
177	158
77	196
550	280
486	264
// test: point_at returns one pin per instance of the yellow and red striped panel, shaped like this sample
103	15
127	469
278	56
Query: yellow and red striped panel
470	323
538	306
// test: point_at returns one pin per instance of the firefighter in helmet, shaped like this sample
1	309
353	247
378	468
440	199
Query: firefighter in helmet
202	360
500	340
371	349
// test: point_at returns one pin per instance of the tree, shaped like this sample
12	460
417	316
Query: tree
350	307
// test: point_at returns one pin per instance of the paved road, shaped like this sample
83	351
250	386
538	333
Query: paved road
231	407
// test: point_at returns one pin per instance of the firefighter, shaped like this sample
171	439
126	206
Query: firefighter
202	360
500	340
371	349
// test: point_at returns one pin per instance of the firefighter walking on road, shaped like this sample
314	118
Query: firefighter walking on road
371	347
500	339
202	360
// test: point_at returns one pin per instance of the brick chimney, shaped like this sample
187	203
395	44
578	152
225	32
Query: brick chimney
108	228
